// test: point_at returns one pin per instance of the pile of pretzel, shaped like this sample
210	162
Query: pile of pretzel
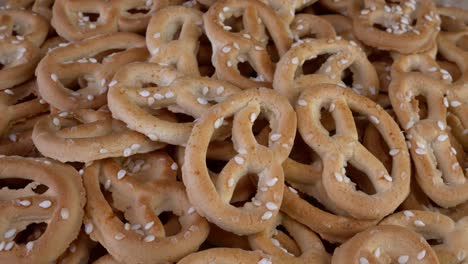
233	131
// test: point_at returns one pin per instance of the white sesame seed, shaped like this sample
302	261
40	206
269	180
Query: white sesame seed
446	102
365	12
442	137
2	245
89	228
112	83
410	124
121	174
45	204
9	245
271	182
144	93
24	203
253	117
220	90
275	137
153	137
135	146
259	48
64	213
239	160
148	225
403	259
90	97
103	151
292	189
338	177
229	63
332	107
271	206
119	236
107	185
149	238
374	120
295	60
202	101
191	210
453	150
226	49
54	77
421	254
56	121
461	255
420	151
363	260
157	35
441	125
419	223
8	91
236	45
242	151
394	152
267	215
10	233
388	177
264	261
301	102
12	137
230	182
455	104
29	246
377	252
174	166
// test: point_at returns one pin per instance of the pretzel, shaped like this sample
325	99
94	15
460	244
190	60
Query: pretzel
60	207
249	44
305	25
86	135
167	48
286	8
344	55
377	245
438	171
211	199
229	255
453	19
390	27
77	19
140	196
88	61
391	189
310	248
134	104
339	6
78	252
24	26
18	118
453	47
431	225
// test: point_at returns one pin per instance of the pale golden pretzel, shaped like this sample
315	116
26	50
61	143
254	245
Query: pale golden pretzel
211	199
453	46
453	18
431	225
140	236
167	47
229	255
24	26
458	128
276	243
385	244
391	187
438	171
90	65
141	88
310	26
78	19
286	9
408	26
290	81
248	41
87	135
60	207
19	114
457	96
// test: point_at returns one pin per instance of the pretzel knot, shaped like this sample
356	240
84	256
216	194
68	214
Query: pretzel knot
19	114
290	81
211	199
21	34
87	135
438	171
143	87
336	151
140	189
90	65
248	40
436	226
409	26
302	247
168	48
60	207
375	246
78	19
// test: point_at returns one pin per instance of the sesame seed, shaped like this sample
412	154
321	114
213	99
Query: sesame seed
403	259
242	151
29	246
419	223
149	238
112	83
332	107
54	77
267	215
103	151
45	204
421	254
10	233
275	137
394	152
148	225
442	137
455	104
271	206
220	90
9	245
239	160
420	151
144	93
236	45
174	166
231	182
410	124
301	102
121	174
226	49
253	117
135	146
119	236
363	260
228	28
90	97
12	137
191	210
295	60
461	255
157	35
264	261
271	182
107	185
89	228
24	203
64	213
377	252
8	91
374	120
259	48
441	125
338	177
229	63
292	189
388	177
365	12
202	101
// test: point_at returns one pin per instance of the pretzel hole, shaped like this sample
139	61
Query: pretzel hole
462	43
419	103
1	66
32	232
93	17
347	77
215	166
311	66
327	121
184	118
235	23
361	180
247	70
170	222
139	10
174	30
27	98
301	152
271	48
14	183
107	54
434	242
